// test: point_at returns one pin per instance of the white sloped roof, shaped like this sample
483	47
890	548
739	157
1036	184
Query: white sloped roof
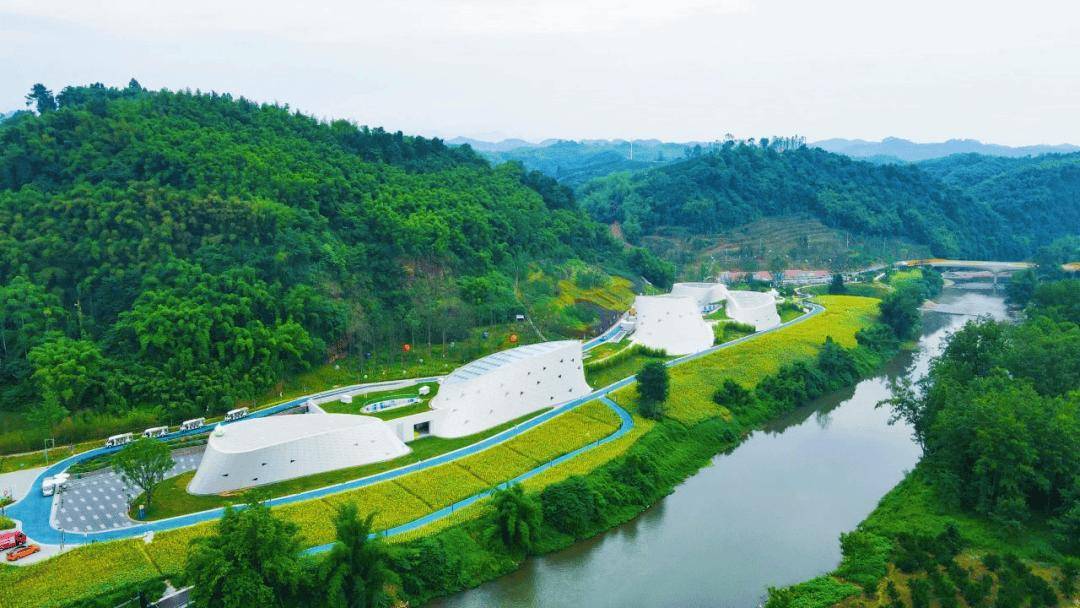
494	361
257	433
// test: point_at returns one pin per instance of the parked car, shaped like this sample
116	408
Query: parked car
21	552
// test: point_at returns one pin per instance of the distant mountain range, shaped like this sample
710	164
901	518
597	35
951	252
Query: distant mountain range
576	162
894	149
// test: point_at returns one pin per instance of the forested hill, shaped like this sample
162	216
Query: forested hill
191	249
1039	197
902	150
740	183
575	162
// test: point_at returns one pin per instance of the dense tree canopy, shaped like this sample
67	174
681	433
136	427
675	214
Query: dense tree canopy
737	183
1038	196
192	249
999	414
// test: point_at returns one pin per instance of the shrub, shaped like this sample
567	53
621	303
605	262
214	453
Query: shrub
837	363
920	593
732	395
866	558
6	523
569	506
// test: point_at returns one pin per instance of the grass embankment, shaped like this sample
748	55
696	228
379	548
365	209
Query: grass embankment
788	311
695	430
726	331
174	500
719	314
914	508
621	364
866	290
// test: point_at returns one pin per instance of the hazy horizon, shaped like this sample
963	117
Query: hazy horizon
681	70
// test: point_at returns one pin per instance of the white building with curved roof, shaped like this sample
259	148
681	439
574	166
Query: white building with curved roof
507	385
753	308
671	322
702	293
259	451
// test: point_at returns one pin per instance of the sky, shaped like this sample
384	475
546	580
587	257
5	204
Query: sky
677	70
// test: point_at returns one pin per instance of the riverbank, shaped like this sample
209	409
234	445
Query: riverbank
929	541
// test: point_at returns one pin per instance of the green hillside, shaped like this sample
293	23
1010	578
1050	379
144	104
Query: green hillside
575	162
740	183
189	250
1038	196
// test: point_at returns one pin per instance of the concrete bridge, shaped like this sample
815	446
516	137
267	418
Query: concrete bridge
993	267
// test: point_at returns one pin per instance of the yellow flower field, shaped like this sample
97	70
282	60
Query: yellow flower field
443	485
59	580
496	465
693	383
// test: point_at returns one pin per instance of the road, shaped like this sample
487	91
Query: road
33	511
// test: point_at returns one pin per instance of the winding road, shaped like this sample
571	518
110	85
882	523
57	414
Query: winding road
33	511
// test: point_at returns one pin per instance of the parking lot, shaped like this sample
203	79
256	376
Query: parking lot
99	501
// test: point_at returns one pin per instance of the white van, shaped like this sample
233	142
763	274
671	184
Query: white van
116	440
194	423
236	414
156	432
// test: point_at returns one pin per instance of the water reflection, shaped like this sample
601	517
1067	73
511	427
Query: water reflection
768	513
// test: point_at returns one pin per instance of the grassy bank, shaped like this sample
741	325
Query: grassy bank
913	512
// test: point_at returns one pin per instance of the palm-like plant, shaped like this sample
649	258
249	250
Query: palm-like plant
517	518
357	572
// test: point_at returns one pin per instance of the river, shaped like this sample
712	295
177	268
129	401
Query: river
767	514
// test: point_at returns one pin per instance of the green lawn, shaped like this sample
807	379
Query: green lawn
31	460
789	311
605	350
718	314
173	500
866	290
728	331
627	366
358	403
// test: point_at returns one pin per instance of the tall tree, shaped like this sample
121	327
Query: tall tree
517	518
357	572
144	463
653	385
253	559
41	99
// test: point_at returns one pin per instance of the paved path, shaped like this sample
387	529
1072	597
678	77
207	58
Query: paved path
99	500
33	511
17	484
